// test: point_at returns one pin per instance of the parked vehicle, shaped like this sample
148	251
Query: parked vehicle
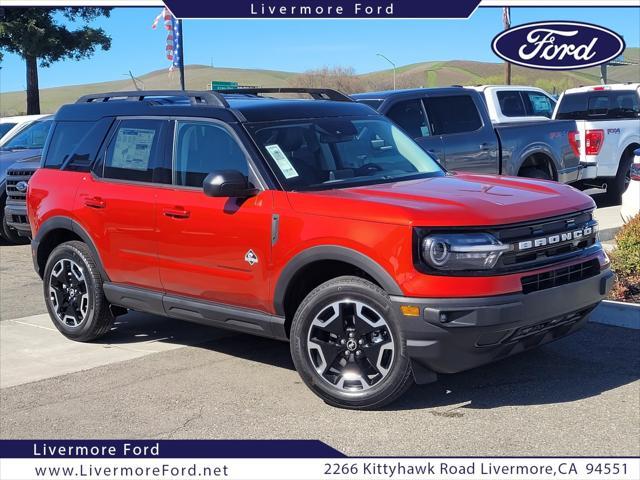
453	124
608	120
10	126
19	157
631	198
318	222
511	103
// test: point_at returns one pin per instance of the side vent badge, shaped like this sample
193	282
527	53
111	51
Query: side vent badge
251	258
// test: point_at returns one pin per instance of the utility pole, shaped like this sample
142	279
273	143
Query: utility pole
394	68
506	20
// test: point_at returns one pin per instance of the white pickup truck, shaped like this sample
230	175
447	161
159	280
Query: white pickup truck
608	121
516	103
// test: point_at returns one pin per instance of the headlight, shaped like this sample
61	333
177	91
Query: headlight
469	251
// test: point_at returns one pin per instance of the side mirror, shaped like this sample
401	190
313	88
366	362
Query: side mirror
227	183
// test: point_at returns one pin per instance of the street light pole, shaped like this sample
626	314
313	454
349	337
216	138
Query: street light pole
394	68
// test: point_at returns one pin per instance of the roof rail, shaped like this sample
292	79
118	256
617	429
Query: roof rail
315	93
195	97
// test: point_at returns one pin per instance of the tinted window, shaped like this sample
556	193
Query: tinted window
538	104
32	136
66	137
454	114
600	105
511	104
624	105
5	127
203	147
410	117
134	152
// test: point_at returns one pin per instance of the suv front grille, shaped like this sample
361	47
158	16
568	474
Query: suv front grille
560	276
549	253
13	178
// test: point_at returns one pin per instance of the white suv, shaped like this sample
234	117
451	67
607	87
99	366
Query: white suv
608	121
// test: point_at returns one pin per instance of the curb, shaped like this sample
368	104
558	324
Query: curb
618	314
608	234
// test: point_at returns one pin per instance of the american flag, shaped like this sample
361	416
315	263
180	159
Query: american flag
173	35
506	17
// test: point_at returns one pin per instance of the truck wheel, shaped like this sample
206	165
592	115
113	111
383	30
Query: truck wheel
73	293
533	172
347	346
619	184
10	234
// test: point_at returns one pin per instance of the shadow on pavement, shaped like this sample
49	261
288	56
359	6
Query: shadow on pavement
594	360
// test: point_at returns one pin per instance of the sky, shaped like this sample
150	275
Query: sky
299	45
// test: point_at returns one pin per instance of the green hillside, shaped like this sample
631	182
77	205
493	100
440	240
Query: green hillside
427	74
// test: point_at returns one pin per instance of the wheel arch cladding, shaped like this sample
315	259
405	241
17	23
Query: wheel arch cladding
321	264
56	231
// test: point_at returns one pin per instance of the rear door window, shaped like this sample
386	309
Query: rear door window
453	114
410	117
511	103
135	151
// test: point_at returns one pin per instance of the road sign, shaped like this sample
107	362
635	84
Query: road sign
223	85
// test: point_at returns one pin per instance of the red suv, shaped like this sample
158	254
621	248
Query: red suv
317	222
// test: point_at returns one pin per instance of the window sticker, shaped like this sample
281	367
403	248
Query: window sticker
132	149
282	161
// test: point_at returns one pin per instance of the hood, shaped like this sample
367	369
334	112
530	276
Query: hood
8	158
452	200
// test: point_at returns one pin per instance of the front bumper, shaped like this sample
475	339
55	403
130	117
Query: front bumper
16	215
452	335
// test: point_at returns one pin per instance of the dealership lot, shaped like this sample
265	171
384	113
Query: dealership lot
168	379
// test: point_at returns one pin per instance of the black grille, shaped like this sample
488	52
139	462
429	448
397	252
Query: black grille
13	178
560	276
548	254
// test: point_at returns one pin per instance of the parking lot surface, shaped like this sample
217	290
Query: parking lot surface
159	378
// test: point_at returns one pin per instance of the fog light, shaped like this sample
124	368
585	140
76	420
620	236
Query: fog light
410	310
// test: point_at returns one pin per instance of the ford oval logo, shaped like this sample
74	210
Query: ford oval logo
558	45
21	186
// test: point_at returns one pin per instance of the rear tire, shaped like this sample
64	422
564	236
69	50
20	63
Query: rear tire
534	172
73	293
347	346
619	184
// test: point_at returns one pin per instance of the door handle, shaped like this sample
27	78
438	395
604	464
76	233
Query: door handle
176	213
485	146
95	202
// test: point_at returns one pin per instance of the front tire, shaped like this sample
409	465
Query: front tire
11	235
73	293
347	346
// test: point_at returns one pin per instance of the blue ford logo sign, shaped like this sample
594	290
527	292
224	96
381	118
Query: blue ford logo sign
21	186
558	45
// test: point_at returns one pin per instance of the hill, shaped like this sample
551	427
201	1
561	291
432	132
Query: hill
426	74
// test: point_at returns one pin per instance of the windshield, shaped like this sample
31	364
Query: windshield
32	136
326	153
5	127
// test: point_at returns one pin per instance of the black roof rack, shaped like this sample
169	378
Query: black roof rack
315	93
195	97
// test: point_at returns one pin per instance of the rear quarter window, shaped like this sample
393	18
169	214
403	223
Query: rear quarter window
63	142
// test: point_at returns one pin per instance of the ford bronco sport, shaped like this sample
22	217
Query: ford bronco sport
314	221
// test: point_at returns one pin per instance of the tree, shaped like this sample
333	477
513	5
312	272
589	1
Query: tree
42	35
